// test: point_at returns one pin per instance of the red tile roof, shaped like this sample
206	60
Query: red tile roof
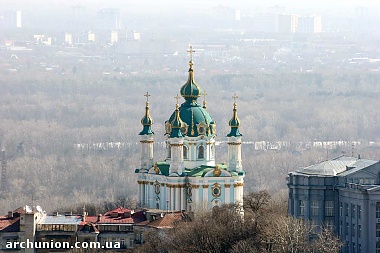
169	220
110	217
9	224
119	210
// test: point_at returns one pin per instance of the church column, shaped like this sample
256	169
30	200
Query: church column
177	198
227	193
205	196
140	193
171	198
182	197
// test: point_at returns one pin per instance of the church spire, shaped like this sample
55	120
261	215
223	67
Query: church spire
147	120
191	90
176	123
234	122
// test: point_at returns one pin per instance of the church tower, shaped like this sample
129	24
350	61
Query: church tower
189	178
234	142
146	138
175	142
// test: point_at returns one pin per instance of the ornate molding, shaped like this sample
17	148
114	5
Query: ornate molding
238	184
205	186
176	145
234	143
146	141
227	185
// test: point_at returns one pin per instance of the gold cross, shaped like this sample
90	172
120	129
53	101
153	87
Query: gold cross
191	51
147	96
177	97
235	97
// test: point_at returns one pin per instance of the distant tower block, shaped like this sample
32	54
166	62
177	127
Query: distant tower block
3	185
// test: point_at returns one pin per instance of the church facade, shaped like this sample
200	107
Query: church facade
189	178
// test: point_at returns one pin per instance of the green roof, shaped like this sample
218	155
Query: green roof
202	170
164	168
192	114
191	90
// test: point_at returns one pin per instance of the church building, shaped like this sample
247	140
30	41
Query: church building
189	178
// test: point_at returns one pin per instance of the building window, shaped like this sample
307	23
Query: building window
377	229
329	208
359	231
314	208
378	210
377	247
353	210
340	209
347	227
359	248
359	212
353	227
201	152
302	207
346	207
185	152
353	248
340	228
169	151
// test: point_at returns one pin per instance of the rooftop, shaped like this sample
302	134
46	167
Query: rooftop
340	166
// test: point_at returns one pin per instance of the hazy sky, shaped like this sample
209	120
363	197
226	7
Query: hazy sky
146	3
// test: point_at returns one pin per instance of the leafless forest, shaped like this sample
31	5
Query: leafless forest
45	116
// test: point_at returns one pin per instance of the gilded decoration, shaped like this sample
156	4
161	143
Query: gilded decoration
238	184
217	171
168	127
189	188
184	129
205	186
192	123
227	185
157	187
216	190
156	169
201	127
234	143
146	141
213	128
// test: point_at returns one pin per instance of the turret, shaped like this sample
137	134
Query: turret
147	139
176	143
234	142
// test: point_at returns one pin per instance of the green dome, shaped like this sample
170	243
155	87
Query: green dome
234	124
190	90
147	122
197	121
176	124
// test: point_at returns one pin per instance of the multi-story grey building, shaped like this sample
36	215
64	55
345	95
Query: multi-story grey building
343	193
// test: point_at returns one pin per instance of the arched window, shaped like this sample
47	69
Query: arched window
185	152
169	149
157	206
201	152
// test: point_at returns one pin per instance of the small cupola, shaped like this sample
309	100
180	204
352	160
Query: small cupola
147	120
176	123
191	90
234	122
